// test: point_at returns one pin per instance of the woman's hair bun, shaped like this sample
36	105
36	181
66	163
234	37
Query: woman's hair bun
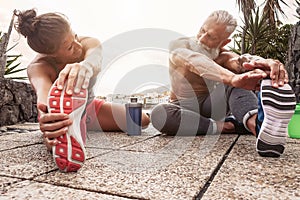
27	22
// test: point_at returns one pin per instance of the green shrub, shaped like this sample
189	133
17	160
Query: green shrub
12	64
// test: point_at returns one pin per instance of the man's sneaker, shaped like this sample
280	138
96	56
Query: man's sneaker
277	105
239	127
69	153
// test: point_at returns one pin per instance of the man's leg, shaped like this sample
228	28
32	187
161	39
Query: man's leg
275	108
184	117
225	100
243	105
181	118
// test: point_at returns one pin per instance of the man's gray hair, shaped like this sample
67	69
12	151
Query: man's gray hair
222	16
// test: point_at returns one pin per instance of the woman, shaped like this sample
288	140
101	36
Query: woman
64	70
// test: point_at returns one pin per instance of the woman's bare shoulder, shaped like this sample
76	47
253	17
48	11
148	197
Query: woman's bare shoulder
42	66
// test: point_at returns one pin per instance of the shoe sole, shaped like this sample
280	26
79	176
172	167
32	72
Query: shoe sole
69	153
278	106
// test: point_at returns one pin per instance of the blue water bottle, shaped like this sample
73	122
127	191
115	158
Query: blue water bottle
134	117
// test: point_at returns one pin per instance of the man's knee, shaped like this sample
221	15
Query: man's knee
159	116
162	120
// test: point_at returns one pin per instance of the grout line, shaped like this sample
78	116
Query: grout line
214	173
139	141
100	154
120	148
21	146
89	190
29	178
19	180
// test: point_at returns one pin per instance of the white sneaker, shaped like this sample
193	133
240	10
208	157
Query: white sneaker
278	105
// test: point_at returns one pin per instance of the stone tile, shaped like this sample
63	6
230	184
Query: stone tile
24	126
6	145
293	140
109	140
95	152
148	175
5	182
246	175
115	140
32	137
28	162
178	145
35	190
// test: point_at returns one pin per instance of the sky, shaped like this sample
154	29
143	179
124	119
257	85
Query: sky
134	34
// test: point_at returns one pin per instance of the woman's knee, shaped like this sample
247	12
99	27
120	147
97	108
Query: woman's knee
145	120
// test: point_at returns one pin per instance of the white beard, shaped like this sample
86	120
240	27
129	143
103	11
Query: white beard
211	53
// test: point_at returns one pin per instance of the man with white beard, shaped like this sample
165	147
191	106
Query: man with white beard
209	83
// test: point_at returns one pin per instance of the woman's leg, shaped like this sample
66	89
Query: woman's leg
110	117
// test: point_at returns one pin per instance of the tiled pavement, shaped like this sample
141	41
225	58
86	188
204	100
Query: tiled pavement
150	166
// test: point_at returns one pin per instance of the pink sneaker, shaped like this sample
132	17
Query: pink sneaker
69	154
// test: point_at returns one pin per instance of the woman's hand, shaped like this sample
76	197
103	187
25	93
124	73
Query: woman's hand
52	125
76	76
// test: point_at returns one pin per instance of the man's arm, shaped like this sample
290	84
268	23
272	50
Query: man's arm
182	56
230	61
246	62
274	68
207	68
201	65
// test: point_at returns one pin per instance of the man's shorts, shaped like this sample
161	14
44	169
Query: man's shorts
92	111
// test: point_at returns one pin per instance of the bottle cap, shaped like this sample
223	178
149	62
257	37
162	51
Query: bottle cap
133	99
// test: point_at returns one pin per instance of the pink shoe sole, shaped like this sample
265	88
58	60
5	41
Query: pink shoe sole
69	153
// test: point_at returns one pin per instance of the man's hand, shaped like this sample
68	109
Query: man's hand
273	68
76	75
52	125
248	80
